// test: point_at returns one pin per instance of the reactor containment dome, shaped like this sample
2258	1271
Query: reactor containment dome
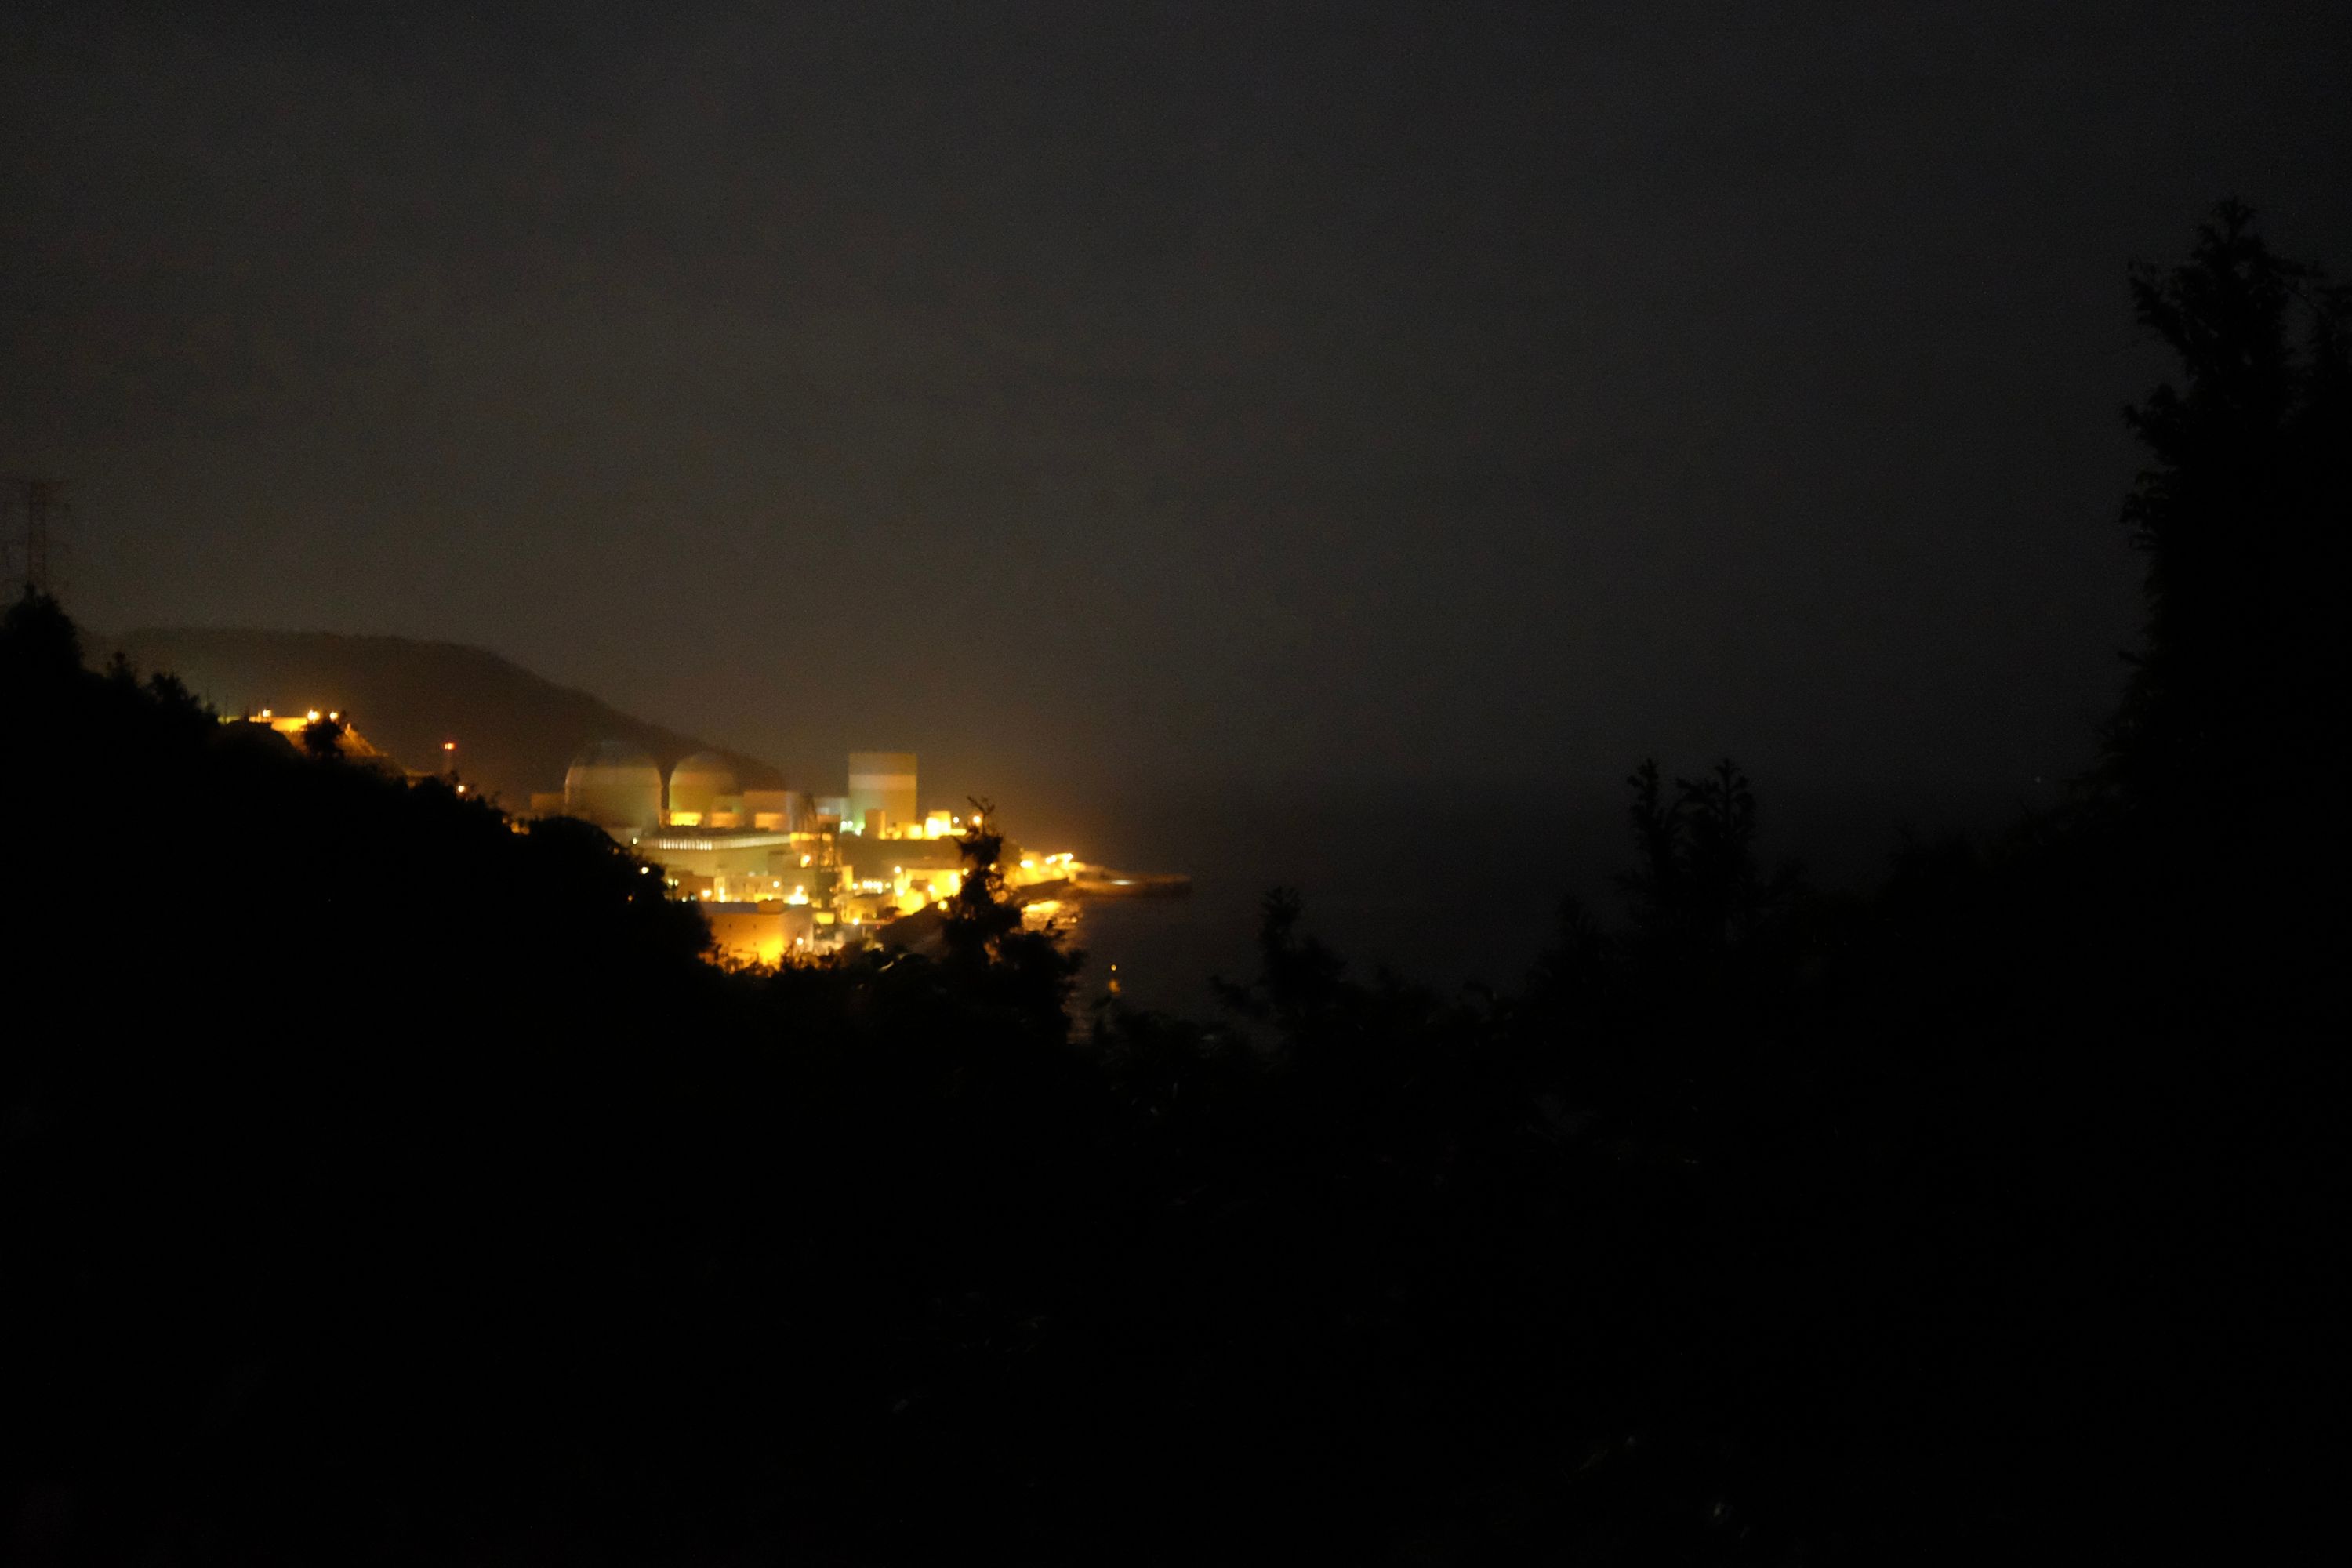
614	785
699	785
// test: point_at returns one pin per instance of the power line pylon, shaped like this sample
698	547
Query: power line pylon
43	500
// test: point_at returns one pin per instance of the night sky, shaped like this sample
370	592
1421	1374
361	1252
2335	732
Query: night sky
1108	397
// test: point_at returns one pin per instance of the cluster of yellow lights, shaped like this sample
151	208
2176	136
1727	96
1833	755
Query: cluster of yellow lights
871	901
289	726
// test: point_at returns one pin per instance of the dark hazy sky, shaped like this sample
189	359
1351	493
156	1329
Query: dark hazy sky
1130	391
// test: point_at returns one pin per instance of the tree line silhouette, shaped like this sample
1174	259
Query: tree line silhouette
384	1180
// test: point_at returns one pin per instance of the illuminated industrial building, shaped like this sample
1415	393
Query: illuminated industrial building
881	792
779	874
782	875
763	933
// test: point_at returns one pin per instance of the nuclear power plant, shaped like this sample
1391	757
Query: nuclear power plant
781	873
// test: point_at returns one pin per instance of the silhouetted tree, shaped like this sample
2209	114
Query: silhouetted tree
323	738
989	953
1696	881
980	914
2245	517
41	641
1300	981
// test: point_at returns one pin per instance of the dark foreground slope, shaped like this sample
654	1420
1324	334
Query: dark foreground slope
380	1181
517	731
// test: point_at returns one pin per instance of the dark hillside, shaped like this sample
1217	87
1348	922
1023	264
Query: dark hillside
414	1192
516	732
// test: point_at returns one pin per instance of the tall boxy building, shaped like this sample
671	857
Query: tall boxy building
883	782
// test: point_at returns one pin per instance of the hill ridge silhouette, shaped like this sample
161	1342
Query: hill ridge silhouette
517	731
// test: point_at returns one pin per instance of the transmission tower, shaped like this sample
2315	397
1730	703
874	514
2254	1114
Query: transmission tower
42	501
